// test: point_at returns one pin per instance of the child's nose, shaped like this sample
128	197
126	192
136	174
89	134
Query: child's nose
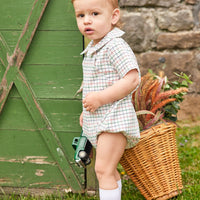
87	20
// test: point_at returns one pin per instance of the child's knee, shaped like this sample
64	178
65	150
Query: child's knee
99	170
103	171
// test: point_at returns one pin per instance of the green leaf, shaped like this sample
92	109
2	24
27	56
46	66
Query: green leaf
187	78
184	83
176	105
170	110
175	83
167	87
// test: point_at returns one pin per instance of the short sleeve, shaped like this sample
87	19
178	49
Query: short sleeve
122	57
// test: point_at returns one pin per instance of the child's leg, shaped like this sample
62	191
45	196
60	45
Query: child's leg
110	148
117	175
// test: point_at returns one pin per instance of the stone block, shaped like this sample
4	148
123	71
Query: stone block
191	1
167	62
196	14
140	30
197	59
162	3
175	21
182	40
189	109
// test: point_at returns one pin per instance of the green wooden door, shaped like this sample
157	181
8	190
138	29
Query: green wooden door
40	72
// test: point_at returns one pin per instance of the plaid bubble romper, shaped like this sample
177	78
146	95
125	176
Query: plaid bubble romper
104	64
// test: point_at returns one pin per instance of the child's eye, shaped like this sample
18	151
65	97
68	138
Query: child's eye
95	13
80	15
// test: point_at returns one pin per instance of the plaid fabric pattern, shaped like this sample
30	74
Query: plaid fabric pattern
104	64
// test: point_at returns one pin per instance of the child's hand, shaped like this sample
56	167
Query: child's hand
92	101
81	119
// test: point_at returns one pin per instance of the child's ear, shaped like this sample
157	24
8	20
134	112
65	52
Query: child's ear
115	16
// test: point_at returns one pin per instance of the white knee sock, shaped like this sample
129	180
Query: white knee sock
109	194
119	182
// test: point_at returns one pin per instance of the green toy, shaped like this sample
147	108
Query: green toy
82	147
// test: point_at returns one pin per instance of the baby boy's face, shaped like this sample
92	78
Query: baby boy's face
94	18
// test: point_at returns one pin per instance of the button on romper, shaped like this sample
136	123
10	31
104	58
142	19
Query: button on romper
104	64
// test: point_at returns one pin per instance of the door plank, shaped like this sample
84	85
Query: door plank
54	81
63	114
55	47
59	15
14	13
30	175
31	162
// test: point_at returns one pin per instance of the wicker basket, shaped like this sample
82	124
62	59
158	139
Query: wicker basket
153	163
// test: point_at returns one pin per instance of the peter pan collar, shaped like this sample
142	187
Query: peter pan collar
114	33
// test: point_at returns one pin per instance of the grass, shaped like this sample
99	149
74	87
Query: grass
188	141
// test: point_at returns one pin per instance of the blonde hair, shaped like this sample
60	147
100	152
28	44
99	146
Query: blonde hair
115	5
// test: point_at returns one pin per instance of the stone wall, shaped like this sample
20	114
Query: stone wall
165	35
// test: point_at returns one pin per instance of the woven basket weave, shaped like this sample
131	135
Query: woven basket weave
153	163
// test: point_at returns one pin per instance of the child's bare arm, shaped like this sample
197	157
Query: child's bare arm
117	91
81	119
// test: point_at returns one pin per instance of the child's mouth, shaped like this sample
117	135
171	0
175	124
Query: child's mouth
89	31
